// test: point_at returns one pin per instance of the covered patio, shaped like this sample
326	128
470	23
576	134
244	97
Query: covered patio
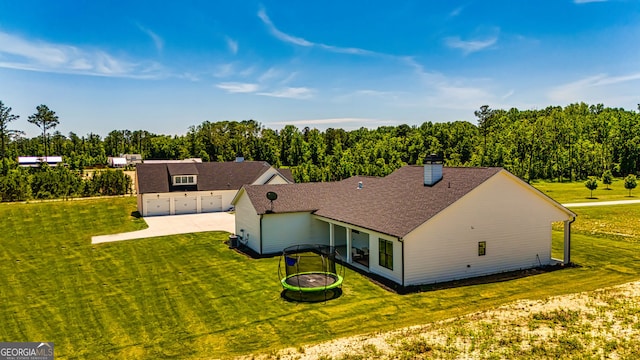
353	243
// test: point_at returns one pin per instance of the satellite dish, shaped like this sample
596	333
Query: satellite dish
272	196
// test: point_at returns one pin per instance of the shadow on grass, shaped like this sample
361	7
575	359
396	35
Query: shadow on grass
488	279
403	290
495	278
311	297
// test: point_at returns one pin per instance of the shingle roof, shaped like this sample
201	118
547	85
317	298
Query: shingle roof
156	178
287	174
182	169
394	205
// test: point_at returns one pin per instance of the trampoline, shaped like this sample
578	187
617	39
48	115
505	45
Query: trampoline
309	269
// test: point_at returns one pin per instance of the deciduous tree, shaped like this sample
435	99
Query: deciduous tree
607	178
630	183
591	184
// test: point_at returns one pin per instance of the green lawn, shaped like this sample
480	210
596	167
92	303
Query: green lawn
574	192
189	296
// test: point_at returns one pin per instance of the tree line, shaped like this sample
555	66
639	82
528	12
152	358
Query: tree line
555	143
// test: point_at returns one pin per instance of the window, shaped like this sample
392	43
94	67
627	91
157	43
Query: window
482	248
184	180
385	250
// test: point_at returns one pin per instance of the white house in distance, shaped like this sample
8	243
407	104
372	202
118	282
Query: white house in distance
418	225
171	188
117	162
132	159
35	161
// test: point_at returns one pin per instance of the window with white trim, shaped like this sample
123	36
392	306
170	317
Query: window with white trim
184	180
385	252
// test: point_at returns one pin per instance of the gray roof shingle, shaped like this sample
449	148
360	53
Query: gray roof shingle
156	178
394	205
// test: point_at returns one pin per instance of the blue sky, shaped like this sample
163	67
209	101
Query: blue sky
163	66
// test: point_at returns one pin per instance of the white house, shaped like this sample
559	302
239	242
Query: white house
35	161
132	159
418	225
196	187
117	162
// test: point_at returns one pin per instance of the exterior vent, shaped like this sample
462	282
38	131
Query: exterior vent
432	170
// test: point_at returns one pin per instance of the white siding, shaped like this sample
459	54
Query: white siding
248	222
185	204
319	232
156	206
211	203
394	274
195	201
513	219
278	179
285	229
227	197
268	176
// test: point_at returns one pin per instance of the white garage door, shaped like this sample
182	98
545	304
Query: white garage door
156	207
186	205
212	203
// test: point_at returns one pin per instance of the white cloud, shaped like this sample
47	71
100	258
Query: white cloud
290	93
508	94
224	70
368	94
457	11
343	122
248	71
615	90
23	54
232	45
269	74
157	40
190	76
262	14
470	46
587	1
236	87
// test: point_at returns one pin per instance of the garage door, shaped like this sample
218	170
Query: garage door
186	205
212	203
155	207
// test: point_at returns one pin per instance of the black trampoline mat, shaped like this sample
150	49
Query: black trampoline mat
311	280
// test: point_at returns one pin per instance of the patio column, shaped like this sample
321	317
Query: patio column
348	244
567	242
332	236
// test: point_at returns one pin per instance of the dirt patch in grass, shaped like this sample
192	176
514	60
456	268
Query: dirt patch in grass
603	324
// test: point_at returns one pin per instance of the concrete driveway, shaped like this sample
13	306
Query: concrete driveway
175	224
603	203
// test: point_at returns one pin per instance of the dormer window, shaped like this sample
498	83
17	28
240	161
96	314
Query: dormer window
185	180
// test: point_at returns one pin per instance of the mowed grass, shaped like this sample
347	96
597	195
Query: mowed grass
575	192
190	297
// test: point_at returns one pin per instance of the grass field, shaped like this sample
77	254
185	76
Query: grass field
189	296
574	192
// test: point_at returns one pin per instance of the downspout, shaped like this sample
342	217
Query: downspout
261	234
567	241
401	240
